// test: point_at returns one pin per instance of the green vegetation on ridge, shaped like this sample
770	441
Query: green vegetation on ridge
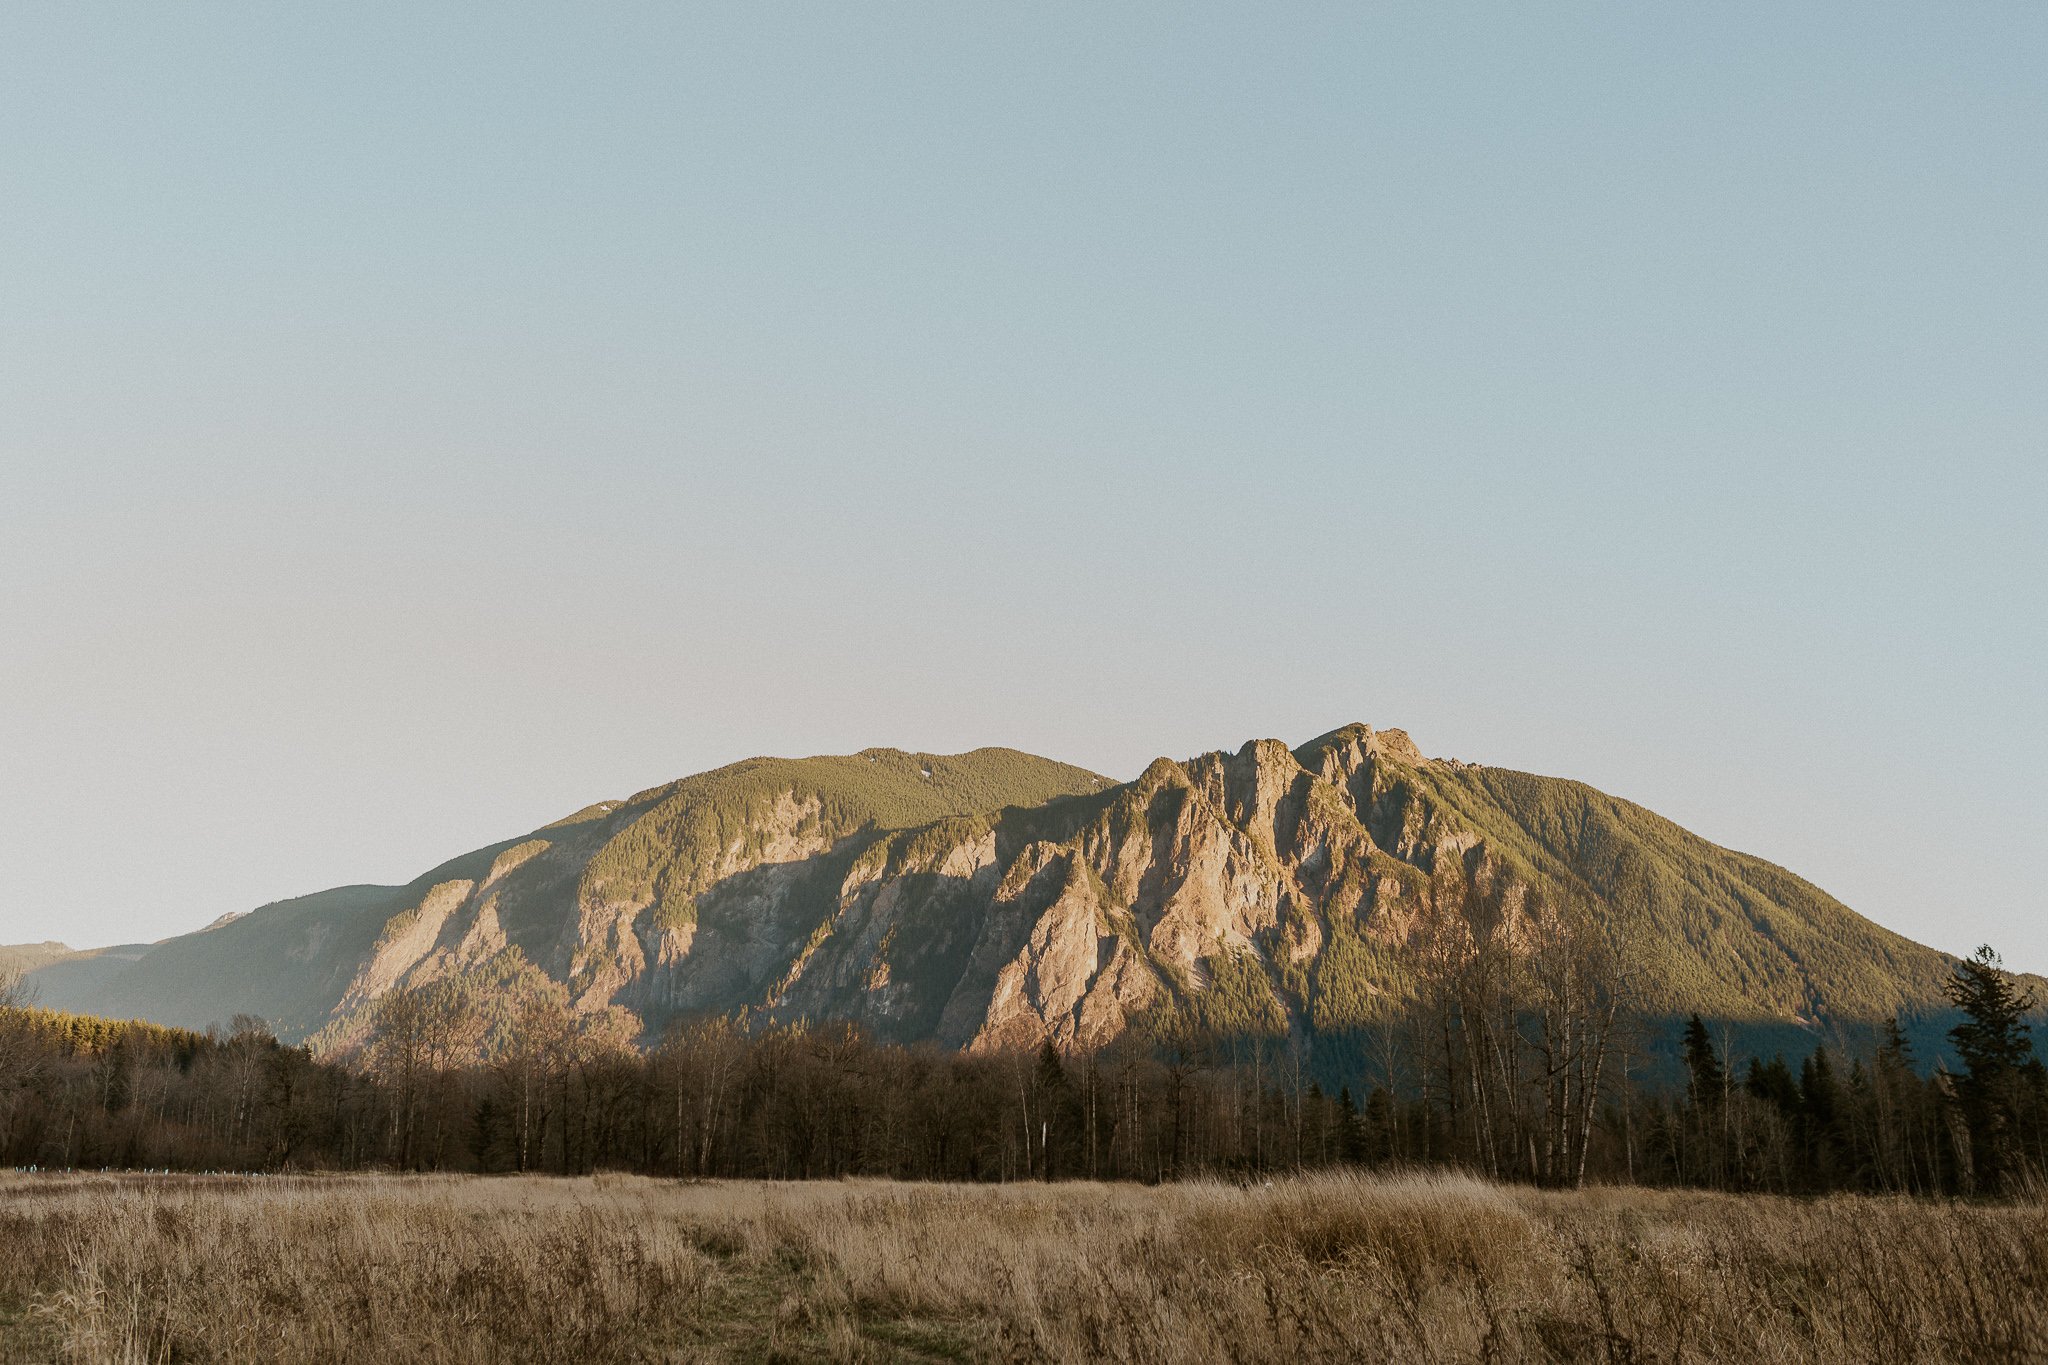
683	836
1722	932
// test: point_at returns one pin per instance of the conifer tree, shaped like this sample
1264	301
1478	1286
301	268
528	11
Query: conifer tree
1993	1043
1702	1064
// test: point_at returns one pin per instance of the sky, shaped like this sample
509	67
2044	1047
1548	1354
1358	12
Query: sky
417	422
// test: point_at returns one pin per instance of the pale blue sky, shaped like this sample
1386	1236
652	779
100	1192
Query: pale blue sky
418	421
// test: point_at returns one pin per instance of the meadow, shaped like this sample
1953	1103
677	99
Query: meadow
1329	1267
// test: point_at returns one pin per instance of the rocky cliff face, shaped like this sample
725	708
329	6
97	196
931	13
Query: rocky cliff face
996	901
1071	923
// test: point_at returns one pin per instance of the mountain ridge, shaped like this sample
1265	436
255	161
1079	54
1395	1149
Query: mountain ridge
995	899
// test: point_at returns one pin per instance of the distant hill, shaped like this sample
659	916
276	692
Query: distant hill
26	957
995	899
81	981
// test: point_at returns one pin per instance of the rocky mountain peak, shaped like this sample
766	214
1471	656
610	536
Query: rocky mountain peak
998	900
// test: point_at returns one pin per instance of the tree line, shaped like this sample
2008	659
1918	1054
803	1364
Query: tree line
1530	1067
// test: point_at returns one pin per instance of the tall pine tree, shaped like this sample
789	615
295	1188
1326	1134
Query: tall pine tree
1995	1049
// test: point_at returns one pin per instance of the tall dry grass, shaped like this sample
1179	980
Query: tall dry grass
1328	1268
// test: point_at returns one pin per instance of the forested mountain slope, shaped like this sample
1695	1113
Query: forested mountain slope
997	900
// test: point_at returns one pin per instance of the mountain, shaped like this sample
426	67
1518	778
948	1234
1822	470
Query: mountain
592	901
26	957
996	900
76	978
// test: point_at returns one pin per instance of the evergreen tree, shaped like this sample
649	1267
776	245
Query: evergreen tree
1820	1106
1772	1082
1378	1123
1055	1116
1995	1049
1702	1065
1351	1129
1901	1149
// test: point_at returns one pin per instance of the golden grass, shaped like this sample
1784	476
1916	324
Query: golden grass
1324	1268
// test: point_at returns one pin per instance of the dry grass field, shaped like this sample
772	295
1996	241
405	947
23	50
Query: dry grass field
1332	1268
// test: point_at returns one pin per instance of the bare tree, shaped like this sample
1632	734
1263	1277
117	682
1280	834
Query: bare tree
398	1056
534	1050
698	1059
1585	988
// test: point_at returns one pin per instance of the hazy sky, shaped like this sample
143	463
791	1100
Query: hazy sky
419	421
